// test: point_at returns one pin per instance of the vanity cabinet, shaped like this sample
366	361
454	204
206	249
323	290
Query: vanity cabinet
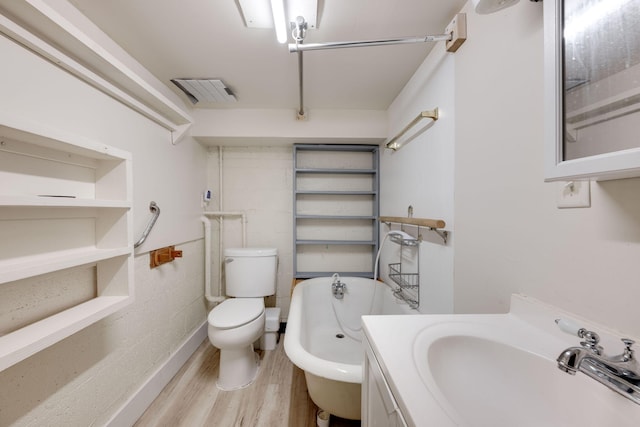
65	209
335	212
379	407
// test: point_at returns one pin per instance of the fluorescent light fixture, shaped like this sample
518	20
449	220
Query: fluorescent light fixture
277	14
279	20
589	16
205	90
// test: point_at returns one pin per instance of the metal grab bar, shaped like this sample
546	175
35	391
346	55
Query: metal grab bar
156	213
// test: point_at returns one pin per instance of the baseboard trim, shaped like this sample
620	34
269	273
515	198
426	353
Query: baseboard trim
131	411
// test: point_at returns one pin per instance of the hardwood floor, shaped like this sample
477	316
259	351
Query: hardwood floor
278	397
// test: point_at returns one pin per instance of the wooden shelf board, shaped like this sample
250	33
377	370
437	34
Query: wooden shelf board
422	222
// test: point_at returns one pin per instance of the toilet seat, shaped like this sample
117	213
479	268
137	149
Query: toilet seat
235	312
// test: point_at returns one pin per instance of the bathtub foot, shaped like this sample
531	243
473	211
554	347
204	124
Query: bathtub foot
323	418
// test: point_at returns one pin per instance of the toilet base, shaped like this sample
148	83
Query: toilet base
238	368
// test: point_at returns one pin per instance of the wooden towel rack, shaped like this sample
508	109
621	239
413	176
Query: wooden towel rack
435	225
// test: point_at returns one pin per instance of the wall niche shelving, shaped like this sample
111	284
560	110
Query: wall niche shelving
65	204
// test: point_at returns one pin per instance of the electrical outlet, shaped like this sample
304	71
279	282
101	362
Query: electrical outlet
574	194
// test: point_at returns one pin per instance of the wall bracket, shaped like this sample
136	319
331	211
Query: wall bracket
163	256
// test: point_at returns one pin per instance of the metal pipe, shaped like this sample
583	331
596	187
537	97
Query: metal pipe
222	214
207	264
298	47
301	84
207	254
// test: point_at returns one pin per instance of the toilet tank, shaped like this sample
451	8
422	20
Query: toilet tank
250	272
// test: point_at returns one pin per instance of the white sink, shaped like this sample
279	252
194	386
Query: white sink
493	370
505	374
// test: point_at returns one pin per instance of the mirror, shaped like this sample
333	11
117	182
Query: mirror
592	67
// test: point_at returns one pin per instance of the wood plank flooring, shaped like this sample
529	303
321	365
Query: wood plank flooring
278	397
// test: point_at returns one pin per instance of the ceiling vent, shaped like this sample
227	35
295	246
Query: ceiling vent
205	90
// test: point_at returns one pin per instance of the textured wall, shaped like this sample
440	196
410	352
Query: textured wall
85	378
257	181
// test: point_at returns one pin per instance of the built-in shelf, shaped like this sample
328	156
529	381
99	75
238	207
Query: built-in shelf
37	336
335	196
65	205
62	202
34	265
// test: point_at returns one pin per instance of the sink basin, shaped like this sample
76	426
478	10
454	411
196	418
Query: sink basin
506	375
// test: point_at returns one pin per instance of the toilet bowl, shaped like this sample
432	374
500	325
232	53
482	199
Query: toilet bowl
233	327
237	322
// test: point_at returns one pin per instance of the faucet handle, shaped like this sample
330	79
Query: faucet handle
570	327
591	340
627	353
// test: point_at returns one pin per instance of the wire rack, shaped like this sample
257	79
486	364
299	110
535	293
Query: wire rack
408	285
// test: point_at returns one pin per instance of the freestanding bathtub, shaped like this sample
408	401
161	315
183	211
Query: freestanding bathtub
324	338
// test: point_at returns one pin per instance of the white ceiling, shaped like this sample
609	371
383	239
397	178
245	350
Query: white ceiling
208	39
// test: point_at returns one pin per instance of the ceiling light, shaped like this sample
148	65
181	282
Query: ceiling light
205	90
278	14
279	20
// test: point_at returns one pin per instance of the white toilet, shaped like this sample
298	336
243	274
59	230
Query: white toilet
237	322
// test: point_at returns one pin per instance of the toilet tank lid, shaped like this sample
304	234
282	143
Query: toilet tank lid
250	252
235	312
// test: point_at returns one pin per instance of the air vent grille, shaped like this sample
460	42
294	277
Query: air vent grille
205	90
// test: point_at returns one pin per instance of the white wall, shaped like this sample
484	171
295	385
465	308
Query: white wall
85	378
420	174
510	237
277	127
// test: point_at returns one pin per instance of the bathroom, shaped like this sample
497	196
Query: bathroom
480	169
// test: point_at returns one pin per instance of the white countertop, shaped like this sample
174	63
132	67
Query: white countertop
395	341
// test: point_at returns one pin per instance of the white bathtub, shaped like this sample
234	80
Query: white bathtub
324	338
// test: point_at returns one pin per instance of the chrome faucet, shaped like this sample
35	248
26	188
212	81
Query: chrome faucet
620	373
337	287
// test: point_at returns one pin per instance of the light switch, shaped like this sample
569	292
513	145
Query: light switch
574	194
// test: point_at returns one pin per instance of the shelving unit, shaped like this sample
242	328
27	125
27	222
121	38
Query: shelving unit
335	212
65	202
